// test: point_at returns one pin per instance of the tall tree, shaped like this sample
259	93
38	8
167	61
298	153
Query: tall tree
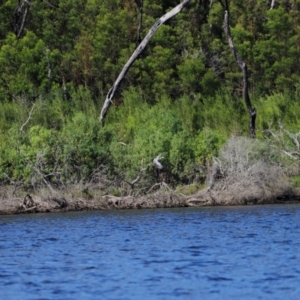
243	67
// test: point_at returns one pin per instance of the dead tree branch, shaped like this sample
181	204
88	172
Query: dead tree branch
136	180
161	185
136	53
214	173
286	142
16	184
38	167
47	183
28	119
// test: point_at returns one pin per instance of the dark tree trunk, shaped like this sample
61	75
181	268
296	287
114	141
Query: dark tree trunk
139	4
243	67
20	16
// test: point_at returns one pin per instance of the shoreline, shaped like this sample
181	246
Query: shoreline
34	203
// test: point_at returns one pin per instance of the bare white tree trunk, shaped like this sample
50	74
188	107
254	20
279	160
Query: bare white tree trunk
136	53
272	4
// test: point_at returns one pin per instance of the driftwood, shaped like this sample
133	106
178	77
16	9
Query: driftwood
156	200
136	53
28	202
243	67
233	195
62	202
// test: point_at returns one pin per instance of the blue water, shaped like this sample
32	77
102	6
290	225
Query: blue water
205	253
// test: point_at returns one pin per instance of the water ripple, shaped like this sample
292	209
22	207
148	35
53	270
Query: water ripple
206	253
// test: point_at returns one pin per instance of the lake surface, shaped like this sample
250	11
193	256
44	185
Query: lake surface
250	252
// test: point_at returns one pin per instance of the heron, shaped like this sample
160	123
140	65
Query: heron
157	162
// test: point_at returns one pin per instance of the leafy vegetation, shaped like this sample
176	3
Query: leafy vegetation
182	98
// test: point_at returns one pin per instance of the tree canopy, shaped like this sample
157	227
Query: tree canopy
86	43
181	98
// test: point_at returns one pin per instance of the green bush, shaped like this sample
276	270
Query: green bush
207	145
85	148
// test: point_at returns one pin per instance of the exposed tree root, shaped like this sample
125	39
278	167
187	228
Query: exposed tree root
233	196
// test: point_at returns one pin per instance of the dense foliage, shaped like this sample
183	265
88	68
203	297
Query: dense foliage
181	99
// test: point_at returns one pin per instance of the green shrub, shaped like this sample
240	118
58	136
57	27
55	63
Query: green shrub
207	145
86	148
